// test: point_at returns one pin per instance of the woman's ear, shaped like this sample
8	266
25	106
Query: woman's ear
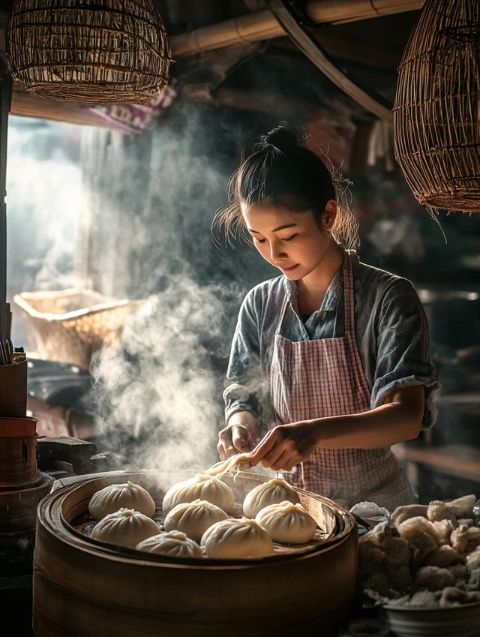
329	214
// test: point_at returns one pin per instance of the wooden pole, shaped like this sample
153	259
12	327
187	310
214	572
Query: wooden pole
5	101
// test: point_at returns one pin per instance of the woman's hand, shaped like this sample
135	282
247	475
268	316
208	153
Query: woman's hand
238	436
284	446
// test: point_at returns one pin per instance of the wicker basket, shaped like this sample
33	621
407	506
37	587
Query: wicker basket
69	325
90	51
437	107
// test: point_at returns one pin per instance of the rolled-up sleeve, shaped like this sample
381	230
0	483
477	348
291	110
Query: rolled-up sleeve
403	348
243	374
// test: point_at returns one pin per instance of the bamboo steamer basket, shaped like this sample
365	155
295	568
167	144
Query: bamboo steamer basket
18	507
84	587
18	451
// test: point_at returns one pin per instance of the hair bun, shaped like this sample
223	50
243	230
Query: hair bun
281	137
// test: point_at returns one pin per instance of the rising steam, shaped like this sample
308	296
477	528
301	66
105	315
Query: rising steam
160	395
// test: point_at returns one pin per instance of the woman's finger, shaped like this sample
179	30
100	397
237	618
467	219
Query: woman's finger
240	438
263	447
280	447
270	458
225	447
283	461
292	462
221	451
225	450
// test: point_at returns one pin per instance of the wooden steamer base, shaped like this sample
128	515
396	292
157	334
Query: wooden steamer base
83	587
22	486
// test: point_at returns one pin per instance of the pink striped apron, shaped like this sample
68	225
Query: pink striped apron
324	377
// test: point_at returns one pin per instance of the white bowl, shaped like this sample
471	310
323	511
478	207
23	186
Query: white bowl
458	621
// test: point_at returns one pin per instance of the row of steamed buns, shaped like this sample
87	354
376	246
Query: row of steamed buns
199	519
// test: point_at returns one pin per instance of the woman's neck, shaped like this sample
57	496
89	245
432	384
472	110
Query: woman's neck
312	288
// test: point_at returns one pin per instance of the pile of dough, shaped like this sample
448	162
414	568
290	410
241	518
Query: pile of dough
287	522
174	543
194	518
271	492
236	539
124	528
201	487
426	555
121	496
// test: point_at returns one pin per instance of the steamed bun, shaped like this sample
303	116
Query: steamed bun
443	556
121	496
174	543
124	528
287	522
465	538
434	578
194	518
236	539
271	492
201	487
407	511
421	533
438	510
463	507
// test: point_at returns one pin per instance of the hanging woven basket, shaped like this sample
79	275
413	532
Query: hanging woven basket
88	51
437	106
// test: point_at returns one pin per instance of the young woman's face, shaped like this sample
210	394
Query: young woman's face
293	242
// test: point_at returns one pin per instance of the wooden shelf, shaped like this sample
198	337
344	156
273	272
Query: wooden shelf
465	398
456	460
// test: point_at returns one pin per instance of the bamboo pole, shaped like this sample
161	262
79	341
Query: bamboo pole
262	25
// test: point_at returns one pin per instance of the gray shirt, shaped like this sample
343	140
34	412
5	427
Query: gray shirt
391	328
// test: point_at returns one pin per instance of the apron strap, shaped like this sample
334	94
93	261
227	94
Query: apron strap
283	310
349	298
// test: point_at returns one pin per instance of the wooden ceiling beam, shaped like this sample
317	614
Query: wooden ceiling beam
351	50
30	105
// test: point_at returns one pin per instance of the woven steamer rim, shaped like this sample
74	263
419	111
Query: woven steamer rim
117	56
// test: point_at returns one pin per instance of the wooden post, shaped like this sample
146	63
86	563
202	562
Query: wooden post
5	101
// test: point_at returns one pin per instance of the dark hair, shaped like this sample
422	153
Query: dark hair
281	171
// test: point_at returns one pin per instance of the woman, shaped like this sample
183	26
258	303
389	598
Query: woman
342	346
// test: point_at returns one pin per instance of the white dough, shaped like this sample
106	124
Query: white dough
201	487
407	511
438	511
121	496
174	543
465	538
194	518
434	578
287	522
124	528
463	507
236	539
271	492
